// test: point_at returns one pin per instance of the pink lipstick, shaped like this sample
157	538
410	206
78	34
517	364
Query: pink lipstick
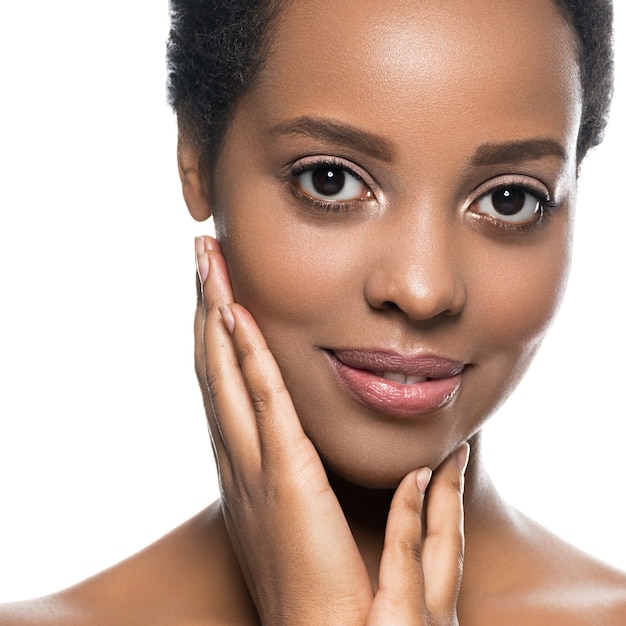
395	384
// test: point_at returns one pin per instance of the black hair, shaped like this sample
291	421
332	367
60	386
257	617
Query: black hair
592	23
217	48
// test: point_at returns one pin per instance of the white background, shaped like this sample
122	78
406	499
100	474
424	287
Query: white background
103	446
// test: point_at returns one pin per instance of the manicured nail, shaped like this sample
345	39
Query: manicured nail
462	456
227	318
200	247
424	475
210	243
202	265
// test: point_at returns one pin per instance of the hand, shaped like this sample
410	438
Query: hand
300	560
422	561
297	553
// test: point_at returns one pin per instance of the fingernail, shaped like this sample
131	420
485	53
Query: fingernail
227	318
462	456
200	247
424	475
210	243
202	265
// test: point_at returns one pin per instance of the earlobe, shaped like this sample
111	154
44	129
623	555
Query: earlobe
194	183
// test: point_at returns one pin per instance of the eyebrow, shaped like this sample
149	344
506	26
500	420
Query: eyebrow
339	133
383	150
516	151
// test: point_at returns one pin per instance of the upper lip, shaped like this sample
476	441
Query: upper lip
426	365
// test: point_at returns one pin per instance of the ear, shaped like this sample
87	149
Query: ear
194	183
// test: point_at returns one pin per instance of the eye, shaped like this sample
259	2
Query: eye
330	182
512	204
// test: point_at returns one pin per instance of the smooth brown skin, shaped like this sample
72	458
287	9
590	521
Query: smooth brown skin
412	266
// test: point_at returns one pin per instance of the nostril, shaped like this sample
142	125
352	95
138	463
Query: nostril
425	290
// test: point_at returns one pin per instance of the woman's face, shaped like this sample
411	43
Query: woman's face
394	199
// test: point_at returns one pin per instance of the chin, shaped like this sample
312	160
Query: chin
381	469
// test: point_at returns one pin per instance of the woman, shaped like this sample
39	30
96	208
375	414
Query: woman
401	233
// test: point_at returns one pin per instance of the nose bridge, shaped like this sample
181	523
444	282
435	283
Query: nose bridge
417	265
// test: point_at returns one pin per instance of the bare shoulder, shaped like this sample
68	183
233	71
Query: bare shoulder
588	592
587	583
543	580
190	577
593	592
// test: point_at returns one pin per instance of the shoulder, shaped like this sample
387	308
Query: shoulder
524	575
189	577
568	585
592	591
47	611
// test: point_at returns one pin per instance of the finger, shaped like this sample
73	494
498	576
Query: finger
444	540
400	599
216	366
202	270
203	244
281	436
206	243
256	421
216	287
229	412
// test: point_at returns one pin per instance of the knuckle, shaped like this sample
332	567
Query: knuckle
252	493
460	555
260	402
428	619
454	482
411	548
414	550
261	399
242	490
245	351
441	613
265	397
212	382
235	498
445	617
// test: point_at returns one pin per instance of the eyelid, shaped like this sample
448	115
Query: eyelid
531	185
309	162
528	185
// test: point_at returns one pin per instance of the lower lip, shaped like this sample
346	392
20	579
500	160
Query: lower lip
393	398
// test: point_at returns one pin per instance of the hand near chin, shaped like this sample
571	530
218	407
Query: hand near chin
422	561
292	540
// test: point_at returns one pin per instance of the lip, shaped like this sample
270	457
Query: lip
358	372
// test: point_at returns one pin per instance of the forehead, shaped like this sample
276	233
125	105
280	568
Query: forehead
416	66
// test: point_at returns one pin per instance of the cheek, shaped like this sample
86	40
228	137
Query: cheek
291	276
518	294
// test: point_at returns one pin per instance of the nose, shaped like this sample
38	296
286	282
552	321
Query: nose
417	268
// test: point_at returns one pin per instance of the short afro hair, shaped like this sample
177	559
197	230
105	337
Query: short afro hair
215	51
592	23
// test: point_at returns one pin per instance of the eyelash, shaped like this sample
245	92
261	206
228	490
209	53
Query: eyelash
310	164
544	200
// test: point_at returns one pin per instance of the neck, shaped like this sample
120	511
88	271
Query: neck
366	510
